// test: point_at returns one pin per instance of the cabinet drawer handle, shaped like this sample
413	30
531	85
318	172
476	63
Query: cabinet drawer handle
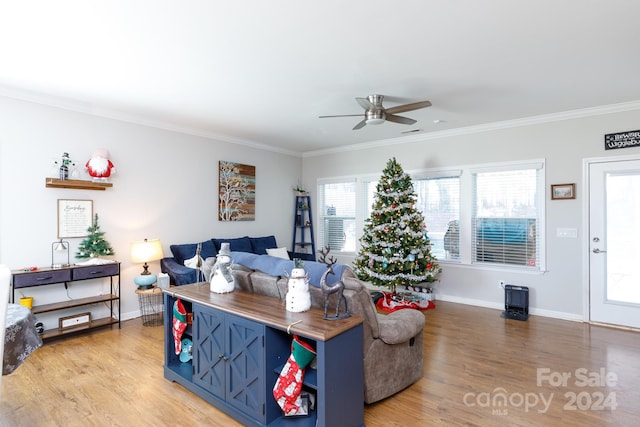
96	272
44	278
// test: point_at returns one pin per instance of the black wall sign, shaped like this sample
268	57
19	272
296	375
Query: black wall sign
613	141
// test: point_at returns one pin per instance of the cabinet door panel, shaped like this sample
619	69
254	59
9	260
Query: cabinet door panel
209	355
245	370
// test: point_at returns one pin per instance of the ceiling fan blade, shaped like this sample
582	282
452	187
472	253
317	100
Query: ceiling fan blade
365	103
408	107
341	115
360	125
399	119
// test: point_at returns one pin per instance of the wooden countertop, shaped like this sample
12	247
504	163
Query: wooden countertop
268	310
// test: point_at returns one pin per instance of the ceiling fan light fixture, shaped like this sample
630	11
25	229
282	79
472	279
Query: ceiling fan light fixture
376	114
375	121
375	117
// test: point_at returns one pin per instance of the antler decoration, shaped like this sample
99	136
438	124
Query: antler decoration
337	288
323	256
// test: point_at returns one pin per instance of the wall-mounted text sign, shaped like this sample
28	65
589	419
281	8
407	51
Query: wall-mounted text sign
628	139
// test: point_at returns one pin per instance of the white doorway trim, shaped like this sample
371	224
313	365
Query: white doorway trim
585	191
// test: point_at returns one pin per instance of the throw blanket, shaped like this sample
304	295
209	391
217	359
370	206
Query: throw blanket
275	266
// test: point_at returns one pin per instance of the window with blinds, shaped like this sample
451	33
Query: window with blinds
439	201
478	214
438	198
506	215
337	215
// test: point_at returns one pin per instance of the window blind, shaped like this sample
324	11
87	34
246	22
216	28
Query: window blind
337	215
506	215
439	201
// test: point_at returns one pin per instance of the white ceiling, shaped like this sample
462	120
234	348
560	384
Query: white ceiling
261	72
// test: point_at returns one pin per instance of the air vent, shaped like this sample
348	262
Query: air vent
411	131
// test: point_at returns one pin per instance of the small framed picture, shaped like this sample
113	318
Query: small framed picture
563	191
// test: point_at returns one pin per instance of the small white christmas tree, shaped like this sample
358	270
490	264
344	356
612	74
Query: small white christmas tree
395	249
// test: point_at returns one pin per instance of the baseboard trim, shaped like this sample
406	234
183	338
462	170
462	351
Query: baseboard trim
496	306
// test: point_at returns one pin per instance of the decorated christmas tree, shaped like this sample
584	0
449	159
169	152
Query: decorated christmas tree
395	249
95	244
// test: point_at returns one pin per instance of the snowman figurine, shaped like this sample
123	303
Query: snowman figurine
221	280
298	298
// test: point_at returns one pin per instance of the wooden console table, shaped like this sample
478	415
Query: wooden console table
241	342
65	275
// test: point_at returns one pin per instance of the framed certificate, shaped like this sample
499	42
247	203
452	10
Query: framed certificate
74	218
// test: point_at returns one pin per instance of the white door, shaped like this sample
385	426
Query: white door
614	242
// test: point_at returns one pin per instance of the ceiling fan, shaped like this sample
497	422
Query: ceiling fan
375	113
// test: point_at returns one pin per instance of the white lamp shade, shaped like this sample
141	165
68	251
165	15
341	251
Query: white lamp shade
146	250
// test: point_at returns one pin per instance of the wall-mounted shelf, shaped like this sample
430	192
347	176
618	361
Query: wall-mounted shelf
76	183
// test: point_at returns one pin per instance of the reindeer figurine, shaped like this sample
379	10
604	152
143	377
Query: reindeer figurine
336	288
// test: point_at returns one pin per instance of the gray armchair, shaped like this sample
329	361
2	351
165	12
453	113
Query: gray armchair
393	343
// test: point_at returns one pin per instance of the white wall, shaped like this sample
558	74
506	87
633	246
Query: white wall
165	187
558	292
166	184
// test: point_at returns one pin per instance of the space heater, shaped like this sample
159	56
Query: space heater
516	302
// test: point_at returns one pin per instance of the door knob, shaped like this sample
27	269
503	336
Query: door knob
598	251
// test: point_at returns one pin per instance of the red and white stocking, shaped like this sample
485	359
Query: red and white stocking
179	324
289	384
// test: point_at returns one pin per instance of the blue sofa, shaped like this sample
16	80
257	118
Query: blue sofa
181	275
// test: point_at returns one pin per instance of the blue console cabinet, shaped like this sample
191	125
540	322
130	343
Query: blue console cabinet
241	342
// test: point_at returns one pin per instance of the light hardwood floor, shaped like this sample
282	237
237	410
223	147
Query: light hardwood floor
479	370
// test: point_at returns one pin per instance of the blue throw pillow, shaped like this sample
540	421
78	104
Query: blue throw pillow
188	251
240	244
260	245
208	250
182	252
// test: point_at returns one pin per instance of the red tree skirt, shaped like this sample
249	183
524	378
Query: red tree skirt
393	302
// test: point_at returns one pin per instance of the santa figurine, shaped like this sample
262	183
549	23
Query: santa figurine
99	166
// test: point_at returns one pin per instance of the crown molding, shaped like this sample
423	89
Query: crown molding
468	130
90	109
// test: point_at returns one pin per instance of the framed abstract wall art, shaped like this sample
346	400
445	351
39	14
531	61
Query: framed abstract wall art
236	192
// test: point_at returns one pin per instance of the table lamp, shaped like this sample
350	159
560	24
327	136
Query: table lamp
143	252
60	254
